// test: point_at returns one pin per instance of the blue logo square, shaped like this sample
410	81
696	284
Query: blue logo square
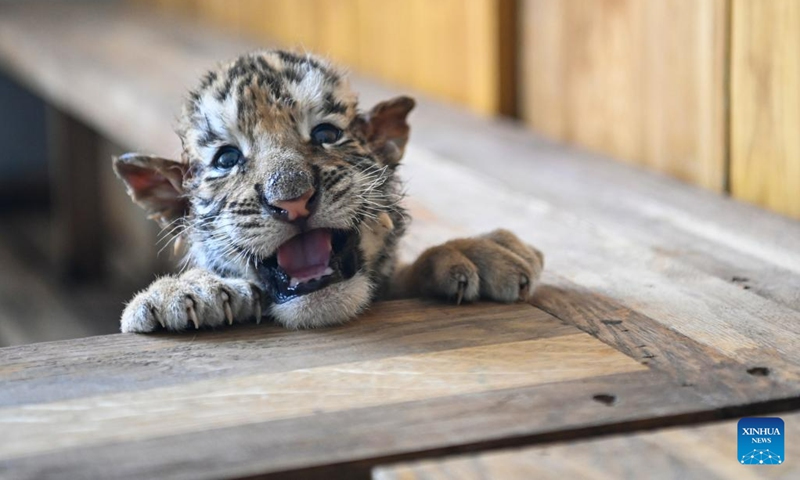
761	441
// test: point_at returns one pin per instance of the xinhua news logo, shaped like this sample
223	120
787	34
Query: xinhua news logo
761	441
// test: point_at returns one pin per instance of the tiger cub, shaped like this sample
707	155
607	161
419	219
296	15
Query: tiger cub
287	197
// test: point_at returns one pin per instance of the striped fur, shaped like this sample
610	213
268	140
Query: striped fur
266	103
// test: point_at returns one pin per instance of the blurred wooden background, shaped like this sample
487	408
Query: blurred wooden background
451	49
765	104
707	91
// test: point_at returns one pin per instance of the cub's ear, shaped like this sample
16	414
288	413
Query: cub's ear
385	128
155	184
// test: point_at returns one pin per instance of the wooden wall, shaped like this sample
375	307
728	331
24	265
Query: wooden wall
642	81
765	103
455	50
707	91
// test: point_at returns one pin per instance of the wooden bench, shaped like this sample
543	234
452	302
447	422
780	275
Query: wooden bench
662	304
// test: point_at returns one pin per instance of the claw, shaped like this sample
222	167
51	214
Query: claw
462	285
158	319
523	287
192	315
226	305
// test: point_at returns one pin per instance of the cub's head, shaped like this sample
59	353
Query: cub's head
284	182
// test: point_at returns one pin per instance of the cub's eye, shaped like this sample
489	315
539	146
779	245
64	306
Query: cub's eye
227	158
325	133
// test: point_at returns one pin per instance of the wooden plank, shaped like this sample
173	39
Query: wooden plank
592	53
244	399
707	452
29	371
681	357
640	81
685	99
765	104
710	311
396	370
602	76
347	444
751	375
542	89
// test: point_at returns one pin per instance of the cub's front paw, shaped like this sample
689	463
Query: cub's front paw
496	266
191	300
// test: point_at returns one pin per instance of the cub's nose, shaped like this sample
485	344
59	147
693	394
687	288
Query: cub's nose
288	193
296	208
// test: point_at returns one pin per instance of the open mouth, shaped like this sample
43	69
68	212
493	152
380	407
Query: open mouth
309	262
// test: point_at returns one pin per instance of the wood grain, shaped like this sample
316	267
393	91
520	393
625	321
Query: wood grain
685	101
240	400
689	363
347	444
705	452
601	76
123	363
639	81
705	284
405	369
765	104
709	310
455	50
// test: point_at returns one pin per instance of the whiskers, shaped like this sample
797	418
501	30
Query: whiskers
233	242
375	196
219	246
171	233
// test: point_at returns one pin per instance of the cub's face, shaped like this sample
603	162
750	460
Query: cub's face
285	183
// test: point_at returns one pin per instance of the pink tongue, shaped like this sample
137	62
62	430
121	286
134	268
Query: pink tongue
306	255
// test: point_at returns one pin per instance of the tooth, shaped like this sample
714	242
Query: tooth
328	271
294	282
